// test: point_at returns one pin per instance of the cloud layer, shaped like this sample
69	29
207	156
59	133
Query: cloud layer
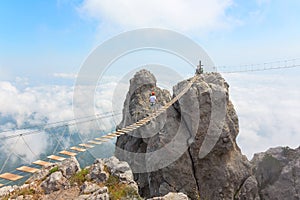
267	105
193	15
39	105
268	109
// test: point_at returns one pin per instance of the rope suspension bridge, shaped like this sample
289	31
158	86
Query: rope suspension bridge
281	64
25	171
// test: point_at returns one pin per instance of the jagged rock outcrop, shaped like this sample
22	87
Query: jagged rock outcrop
277	172
194	126
97	172
172	196
56	181
105	179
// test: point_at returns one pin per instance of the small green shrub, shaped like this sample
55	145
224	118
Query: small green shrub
24	192
112	181
118	190
79	177
54	169
105	168
27	191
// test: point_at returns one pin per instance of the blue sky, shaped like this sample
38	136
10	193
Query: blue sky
40	38
44	43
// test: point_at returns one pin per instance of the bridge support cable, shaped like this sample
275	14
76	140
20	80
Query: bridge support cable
282	64
9	155
36	156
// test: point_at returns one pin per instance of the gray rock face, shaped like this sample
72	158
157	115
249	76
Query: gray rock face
56	181
97	172
92	191
88	188
278	173
121	170
171	196
193	170
249	190
42	174
101	194
69	167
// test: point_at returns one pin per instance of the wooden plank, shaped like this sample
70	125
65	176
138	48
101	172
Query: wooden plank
101	139
11	177
124	131
54	157
41	162
108	137
113	134
94	142
143	120
129	129
86	145
68	153
132	125
78	149
27	169
120	133
138	123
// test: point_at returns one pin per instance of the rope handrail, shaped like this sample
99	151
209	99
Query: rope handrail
105	138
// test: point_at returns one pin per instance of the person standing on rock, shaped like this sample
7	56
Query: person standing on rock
152	100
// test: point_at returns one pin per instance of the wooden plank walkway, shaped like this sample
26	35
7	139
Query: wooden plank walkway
54	157
68	153
78	149
41	163
11	177
28	169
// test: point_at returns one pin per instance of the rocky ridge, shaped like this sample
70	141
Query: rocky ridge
221	172
105	179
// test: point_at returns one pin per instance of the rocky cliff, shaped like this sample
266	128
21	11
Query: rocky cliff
277	172
191	148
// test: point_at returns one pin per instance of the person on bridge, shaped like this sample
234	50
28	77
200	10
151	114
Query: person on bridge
152	100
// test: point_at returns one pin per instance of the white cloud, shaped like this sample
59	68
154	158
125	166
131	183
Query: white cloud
36	103
65	75
32	105
193	15
268	109
18	147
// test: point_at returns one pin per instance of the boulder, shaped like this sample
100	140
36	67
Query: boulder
88	188
101	194
97	172
121	170
69	167
278	173
56	181
172	196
